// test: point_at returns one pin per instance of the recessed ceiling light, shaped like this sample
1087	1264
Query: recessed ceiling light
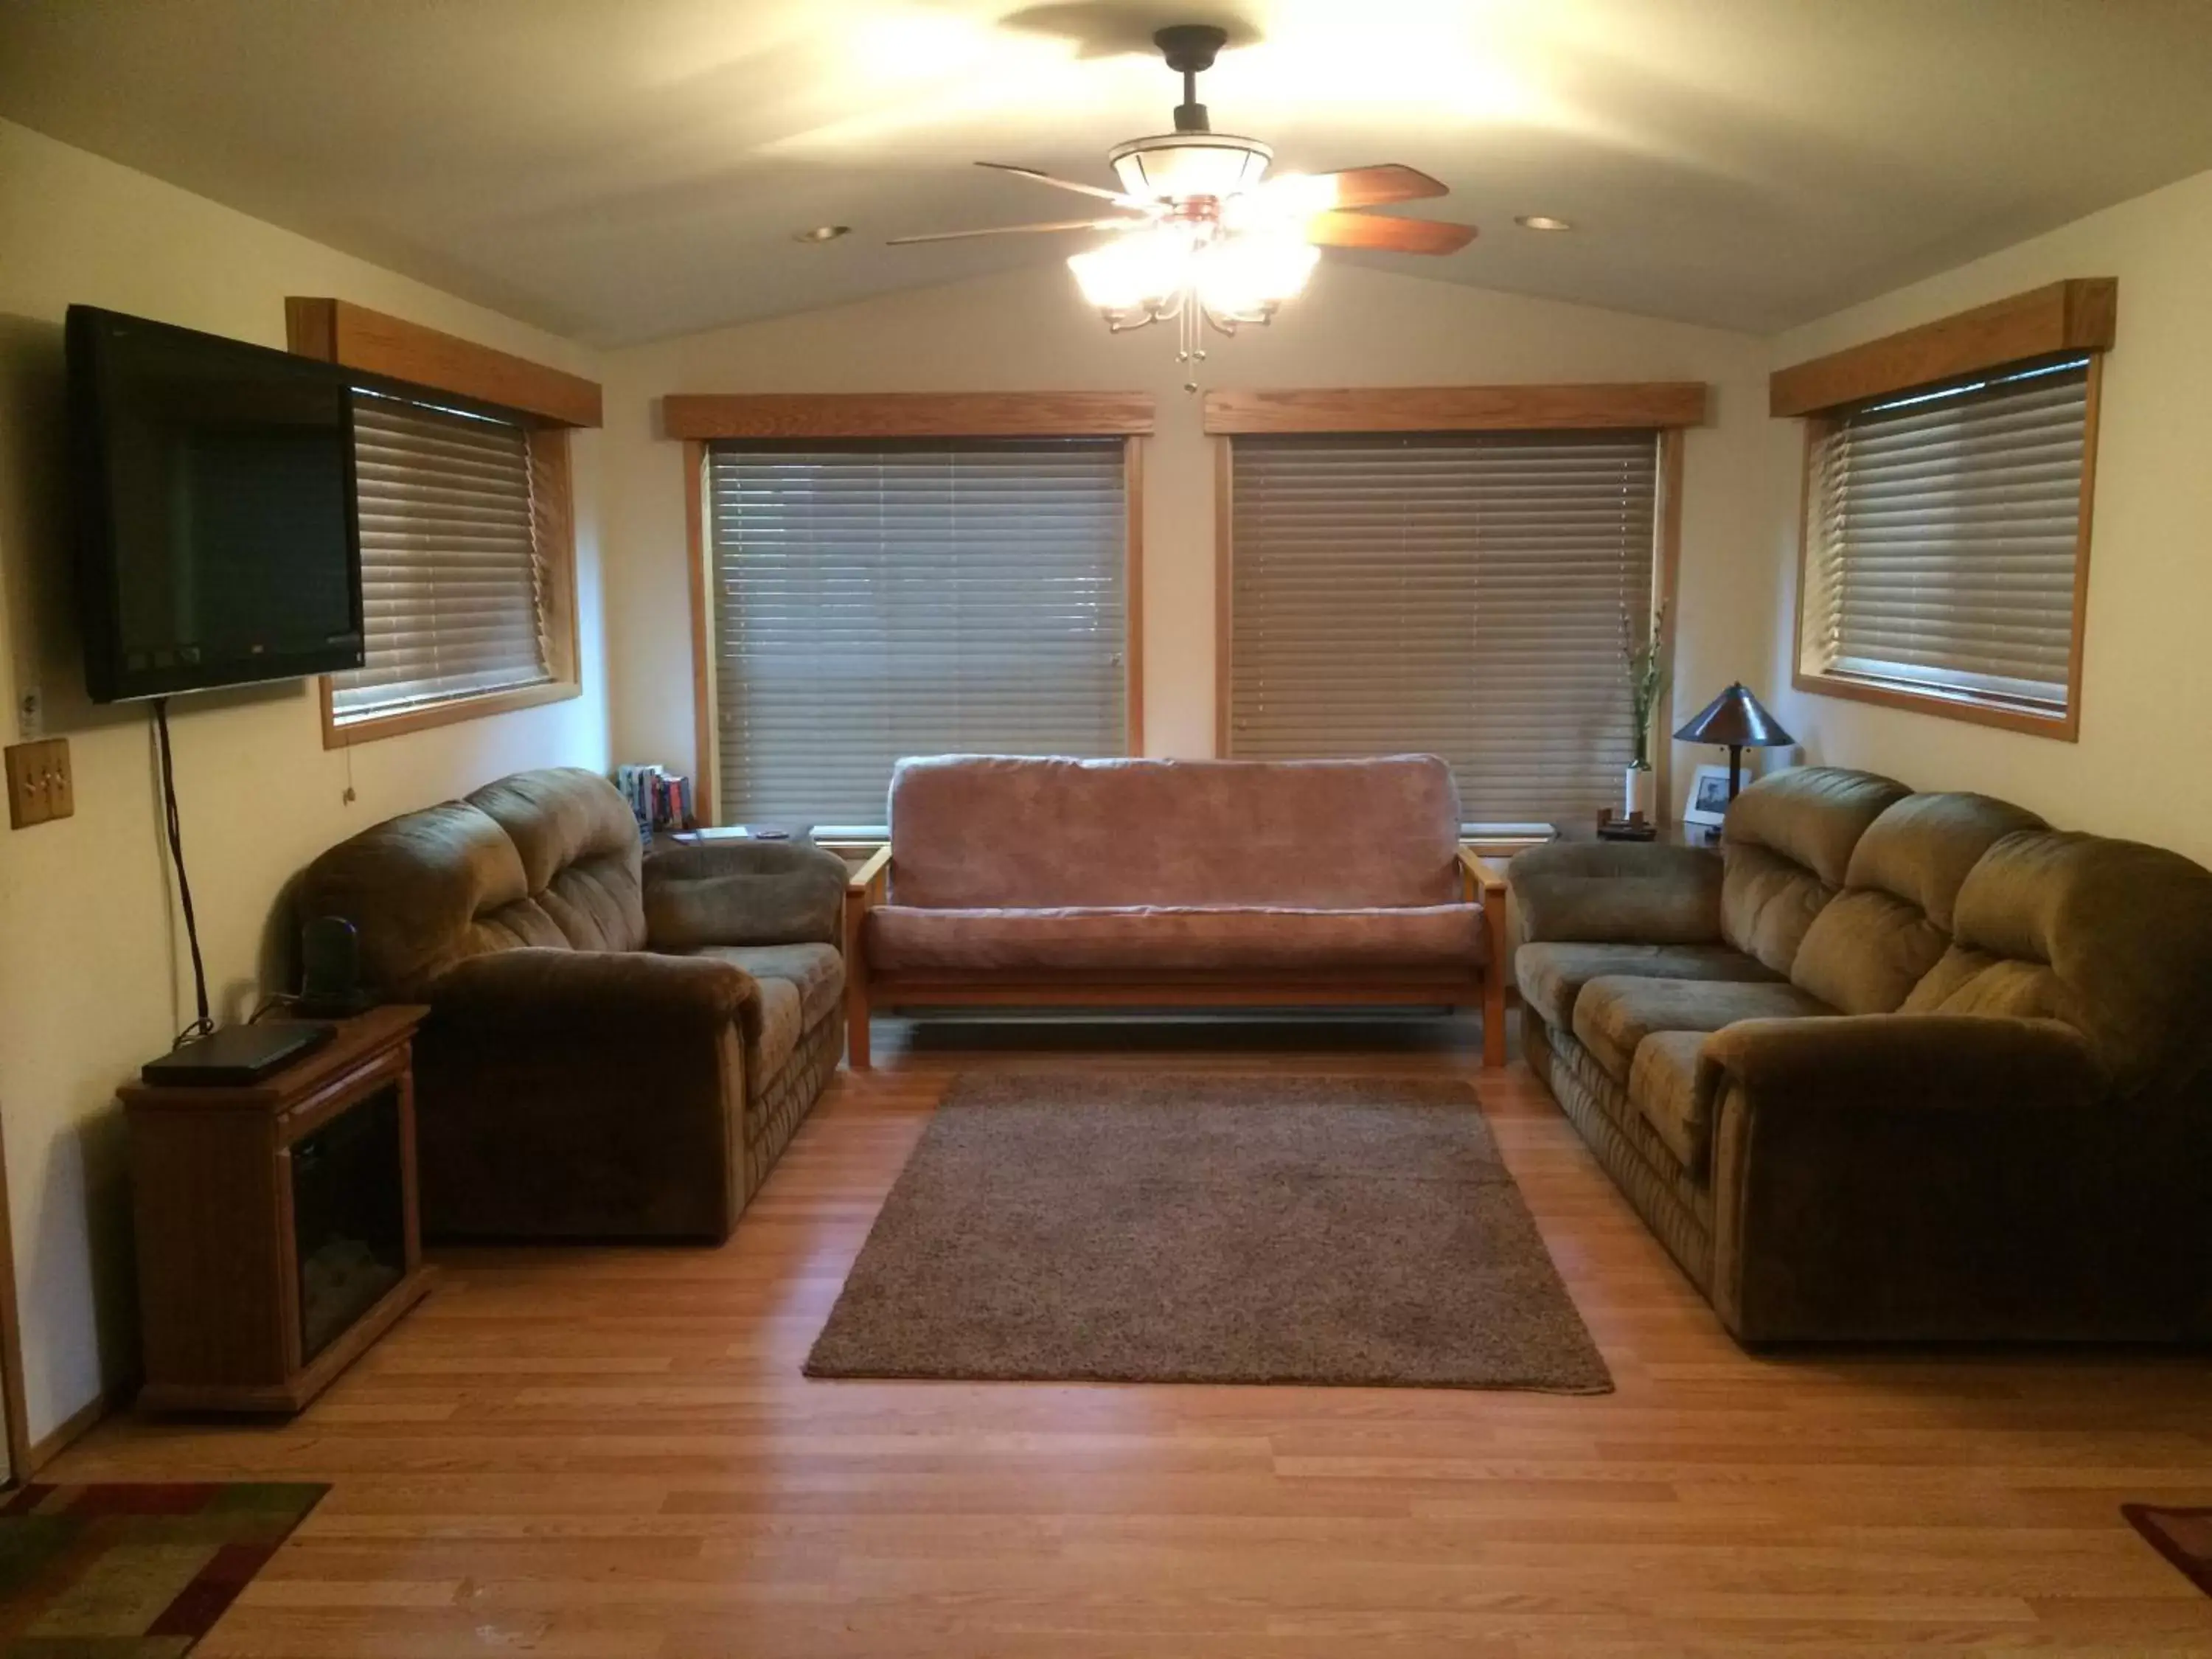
821	234
1540	222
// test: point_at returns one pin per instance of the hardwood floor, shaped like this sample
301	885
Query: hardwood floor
611	1453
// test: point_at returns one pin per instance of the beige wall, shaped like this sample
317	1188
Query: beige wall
2147	679
1029	330
93	974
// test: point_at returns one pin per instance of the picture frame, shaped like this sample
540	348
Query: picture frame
1709	797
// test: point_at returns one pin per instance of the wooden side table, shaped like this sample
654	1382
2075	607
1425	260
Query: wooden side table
277	1230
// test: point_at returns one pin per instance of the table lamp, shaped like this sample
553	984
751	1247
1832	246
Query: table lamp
1736	719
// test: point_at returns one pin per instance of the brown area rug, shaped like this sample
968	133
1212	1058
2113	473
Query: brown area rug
133	1571
1056	1226
2182	1536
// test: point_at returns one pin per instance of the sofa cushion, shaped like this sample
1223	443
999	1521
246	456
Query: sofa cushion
1614	1015
1552	976
1785	848
1922	849
1877	939
580	852
1617	892
1666	1084
768	1045
973	832
2112	936
817	971
902	938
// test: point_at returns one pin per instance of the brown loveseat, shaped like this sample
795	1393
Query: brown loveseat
1152	882
612	1051
1892	1066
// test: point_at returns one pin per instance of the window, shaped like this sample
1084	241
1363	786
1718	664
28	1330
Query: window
1945	541
875	599
468	541
1463	594
453	580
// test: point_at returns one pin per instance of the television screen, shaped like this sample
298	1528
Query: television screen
217	540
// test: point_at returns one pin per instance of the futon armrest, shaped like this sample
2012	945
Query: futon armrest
1855	1064
633	997
742	892
1618	893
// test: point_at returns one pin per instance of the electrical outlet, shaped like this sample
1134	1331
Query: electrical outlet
39	787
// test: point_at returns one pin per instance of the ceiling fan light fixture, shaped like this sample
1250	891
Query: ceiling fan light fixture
821	234
1245	277
1181	164
1132	277
1541	221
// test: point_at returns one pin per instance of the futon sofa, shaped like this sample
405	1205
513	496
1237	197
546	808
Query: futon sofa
1891	1065
615	1048
1011	880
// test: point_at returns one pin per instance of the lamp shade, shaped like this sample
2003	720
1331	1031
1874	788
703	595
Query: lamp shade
1735	719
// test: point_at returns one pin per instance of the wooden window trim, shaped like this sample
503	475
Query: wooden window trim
707	417
2062	320
1659	405
699	560
338	331
549	404
1666	581
2070	319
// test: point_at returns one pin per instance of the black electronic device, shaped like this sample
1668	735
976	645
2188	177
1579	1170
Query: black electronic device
236	1054
218	541
330	981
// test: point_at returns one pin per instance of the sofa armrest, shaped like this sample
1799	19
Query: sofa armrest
736	892
1857	1063
590	997
1618	893
582	1094
1912	1177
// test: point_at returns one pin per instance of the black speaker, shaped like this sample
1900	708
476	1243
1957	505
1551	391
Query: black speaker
330	983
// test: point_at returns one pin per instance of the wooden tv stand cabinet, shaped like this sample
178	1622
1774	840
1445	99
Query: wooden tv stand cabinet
276	1222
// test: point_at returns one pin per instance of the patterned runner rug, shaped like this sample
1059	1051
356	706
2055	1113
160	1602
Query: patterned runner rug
133	1571
2182	1536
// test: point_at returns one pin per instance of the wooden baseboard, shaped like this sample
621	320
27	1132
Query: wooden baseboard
66	1433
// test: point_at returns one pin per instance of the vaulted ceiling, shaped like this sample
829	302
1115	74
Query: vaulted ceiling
623	170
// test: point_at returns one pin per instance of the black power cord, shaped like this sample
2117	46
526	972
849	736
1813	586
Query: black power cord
205	1025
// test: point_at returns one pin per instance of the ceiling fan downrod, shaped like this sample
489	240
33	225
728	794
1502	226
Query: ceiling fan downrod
1190	49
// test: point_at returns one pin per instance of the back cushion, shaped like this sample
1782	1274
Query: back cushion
1875	941
412	887
578	843
546	858
2112	936
999	832
1784	850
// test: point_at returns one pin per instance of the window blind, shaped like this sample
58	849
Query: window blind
1461	594
452	587
1943	533
876	601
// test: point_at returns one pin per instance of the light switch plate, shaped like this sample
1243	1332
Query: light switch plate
39	787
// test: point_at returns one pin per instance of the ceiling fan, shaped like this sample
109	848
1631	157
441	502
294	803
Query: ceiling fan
1203	235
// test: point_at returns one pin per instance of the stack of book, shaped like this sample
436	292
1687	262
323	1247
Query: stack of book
660	798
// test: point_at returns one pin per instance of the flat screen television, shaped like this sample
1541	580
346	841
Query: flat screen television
217	539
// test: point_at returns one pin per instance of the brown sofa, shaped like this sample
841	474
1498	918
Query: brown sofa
616	1048
1097	882
1892	1066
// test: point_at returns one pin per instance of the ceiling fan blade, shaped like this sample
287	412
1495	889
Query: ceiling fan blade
1015	230
1357	188
1387	236
1062	183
